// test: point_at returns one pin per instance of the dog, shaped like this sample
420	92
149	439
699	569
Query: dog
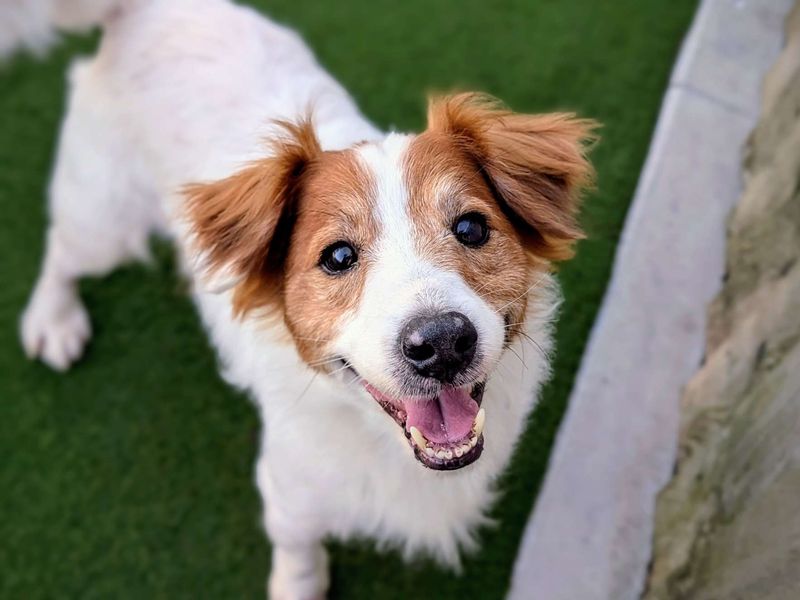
386	299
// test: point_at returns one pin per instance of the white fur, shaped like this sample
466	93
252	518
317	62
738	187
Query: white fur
142	121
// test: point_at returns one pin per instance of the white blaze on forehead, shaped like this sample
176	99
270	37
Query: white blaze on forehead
384	162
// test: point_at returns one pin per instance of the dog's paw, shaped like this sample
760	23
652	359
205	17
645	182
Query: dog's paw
296	578
311	587
55	328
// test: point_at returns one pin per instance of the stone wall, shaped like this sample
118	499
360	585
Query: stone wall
728	524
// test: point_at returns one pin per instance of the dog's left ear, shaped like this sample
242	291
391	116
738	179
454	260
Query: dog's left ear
241	225
535	165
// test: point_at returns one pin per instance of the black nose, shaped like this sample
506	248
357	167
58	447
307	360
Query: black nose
439	346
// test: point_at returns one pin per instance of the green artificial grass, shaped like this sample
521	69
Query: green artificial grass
131	476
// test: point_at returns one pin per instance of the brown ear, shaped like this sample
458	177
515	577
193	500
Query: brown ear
241	224
535	165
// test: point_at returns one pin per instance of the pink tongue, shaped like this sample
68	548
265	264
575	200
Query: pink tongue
447	418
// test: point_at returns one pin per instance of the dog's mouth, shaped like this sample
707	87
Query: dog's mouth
445	431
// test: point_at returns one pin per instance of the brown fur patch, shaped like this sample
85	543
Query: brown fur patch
242	222
337	204
269	224
535	165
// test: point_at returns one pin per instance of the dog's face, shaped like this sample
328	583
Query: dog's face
404	267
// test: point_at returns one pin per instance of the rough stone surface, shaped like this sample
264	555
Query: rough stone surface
590	535
728	524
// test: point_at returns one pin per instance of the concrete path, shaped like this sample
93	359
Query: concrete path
589	537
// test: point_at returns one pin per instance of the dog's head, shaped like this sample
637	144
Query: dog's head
405	265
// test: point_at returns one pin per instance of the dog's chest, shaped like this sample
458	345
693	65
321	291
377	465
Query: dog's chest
372	486
367	483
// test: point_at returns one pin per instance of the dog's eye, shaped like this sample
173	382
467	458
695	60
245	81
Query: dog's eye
338	257
471	229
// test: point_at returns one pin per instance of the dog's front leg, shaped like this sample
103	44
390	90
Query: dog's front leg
299	560
298	572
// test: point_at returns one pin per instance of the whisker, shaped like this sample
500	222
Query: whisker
502	368
340	369
533	285
534	342
324	361
357	380
483	287
291	405
522	362
309	339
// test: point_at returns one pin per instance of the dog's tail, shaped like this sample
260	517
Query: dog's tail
32	24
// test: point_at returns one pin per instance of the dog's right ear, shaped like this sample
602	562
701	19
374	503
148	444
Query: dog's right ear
241	225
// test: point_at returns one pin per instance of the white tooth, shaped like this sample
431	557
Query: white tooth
480	419
473	440
418	438
466	447
459	451
440	454
430	452
448	454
